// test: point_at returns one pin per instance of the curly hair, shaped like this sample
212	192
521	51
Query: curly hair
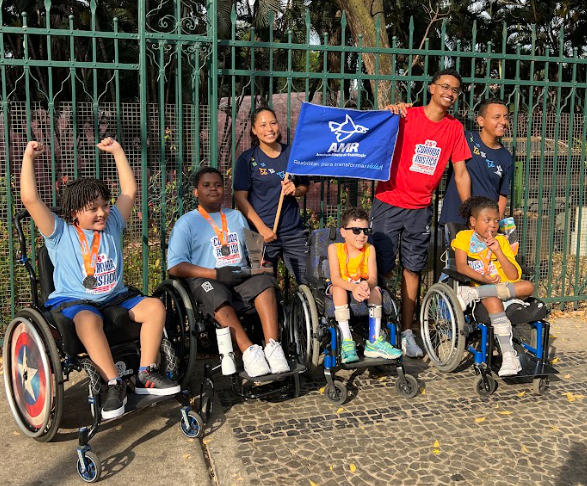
80	194
352	214
474	205
447	72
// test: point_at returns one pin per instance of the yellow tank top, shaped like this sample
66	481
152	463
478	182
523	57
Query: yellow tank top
353	269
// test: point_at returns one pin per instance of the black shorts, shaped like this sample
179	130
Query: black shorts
211	294
408	229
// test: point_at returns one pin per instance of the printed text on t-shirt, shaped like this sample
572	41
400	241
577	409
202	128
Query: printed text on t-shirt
426	157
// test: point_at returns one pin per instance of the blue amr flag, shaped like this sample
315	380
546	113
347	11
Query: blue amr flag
338	142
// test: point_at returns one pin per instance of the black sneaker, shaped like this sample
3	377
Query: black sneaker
152	382
115	401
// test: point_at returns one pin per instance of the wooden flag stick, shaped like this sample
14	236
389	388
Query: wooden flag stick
279	206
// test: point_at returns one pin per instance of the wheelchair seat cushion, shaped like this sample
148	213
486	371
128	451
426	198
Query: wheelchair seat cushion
118	327
532	310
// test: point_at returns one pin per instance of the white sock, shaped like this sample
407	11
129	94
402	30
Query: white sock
345	330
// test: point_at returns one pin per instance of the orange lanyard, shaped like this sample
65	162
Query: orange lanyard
222	235
357	276
90	256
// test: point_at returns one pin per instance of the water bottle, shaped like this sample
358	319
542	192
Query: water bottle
225	350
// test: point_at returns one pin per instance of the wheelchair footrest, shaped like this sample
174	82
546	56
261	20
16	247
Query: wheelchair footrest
532	366
368	362
136	402
294	369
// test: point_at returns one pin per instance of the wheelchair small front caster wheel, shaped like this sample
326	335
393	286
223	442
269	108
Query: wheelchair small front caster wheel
295	385
407	388
336	393
540	385
193	427
480	387
92	468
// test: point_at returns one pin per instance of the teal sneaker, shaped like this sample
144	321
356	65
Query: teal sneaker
381	349
348	352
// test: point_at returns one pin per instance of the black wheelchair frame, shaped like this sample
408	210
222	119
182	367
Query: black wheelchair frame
50	341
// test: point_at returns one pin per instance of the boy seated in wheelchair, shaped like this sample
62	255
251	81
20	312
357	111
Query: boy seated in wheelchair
488	260
206	247
85	249
353	269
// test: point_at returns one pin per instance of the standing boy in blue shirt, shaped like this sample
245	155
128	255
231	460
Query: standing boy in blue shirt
491	165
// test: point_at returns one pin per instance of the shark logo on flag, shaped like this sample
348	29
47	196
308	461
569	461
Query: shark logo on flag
346	129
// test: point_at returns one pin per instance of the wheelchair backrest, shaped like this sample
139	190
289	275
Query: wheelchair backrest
318	251
45	273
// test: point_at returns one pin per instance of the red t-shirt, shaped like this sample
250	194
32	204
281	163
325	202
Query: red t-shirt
422	152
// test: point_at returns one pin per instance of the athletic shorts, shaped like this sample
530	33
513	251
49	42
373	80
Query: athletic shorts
399	228
71	312
211	294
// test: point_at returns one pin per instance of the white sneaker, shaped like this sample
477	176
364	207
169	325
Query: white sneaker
275	357
410	347
510	364
466	295
254	361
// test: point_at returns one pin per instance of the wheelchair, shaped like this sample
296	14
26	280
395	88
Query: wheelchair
447	332
204	331
41	350
312	316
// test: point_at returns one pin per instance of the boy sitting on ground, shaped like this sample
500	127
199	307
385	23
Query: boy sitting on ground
353	269
206	247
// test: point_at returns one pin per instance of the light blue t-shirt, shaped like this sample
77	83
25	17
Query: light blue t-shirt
193	240
66	255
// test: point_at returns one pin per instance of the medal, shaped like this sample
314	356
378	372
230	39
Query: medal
221	234
90	282
90	257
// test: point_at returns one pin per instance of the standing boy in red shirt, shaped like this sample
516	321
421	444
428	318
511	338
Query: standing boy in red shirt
401	216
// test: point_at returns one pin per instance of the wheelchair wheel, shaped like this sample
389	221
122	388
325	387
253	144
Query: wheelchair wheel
32	375
442	322
407	388
336	393
480	386
304	322
92	468
194	427
180	325
540	384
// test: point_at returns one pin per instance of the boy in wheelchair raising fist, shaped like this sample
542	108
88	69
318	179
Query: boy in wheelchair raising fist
487	259
85	249
353	270
206	247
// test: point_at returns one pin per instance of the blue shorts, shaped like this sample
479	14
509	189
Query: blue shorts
71	312
406	230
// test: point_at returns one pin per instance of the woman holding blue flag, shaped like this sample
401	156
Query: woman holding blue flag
259	181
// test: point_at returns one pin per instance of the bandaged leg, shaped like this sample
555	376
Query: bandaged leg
503	291
342	316
502	327
375	314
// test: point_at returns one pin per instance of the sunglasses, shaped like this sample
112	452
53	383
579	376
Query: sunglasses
357	231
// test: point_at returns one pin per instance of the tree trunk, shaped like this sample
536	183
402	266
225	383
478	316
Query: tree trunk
362	17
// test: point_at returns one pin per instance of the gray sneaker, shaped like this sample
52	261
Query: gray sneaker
409	346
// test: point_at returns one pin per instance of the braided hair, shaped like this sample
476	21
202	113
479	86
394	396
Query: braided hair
474	205
82	192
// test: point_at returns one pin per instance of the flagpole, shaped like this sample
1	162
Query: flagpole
279	206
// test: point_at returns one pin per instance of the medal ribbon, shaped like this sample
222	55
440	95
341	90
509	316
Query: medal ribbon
357	276
222	235
90	256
